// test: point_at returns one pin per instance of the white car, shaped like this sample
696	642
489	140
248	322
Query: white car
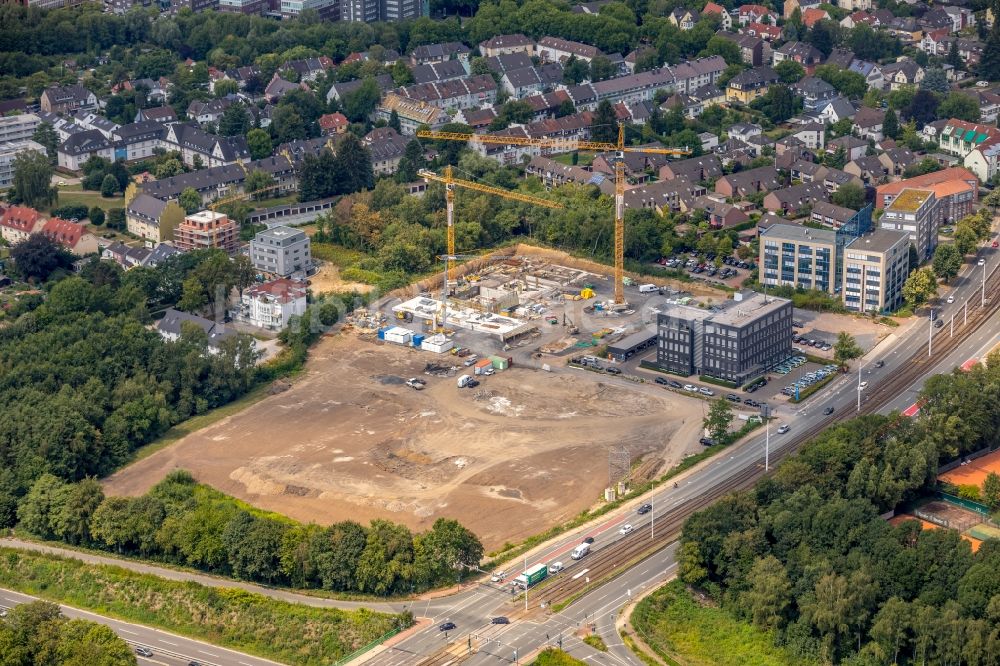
706	391
782	429
555	567
862	386
691	387
981	262
951	299
416	383
498	576
626	529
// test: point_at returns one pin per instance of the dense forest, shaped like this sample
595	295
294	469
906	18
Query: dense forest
36	633
806	555
182	522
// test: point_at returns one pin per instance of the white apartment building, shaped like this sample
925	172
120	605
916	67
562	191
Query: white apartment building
272	304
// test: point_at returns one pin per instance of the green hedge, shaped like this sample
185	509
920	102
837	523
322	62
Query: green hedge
809	390
718	382
232	618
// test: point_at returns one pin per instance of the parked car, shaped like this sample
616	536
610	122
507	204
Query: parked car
706	391
446	626
613	371
661	381
416	383
645	508
732	397
691	387
673	383
706	441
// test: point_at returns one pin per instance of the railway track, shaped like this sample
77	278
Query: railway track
626	552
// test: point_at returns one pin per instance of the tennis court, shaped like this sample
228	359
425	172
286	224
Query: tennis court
975	472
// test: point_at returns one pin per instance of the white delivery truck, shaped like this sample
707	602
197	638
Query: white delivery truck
580	551
464	380
648	288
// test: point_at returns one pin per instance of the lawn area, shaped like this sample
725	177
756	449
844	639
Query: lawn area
278	630
75	194
554	657
567	158
682	630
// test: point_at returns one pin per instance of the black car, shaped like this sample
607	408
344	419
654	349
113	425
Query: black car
661	381
673	384
589	540
879	364
613	371
938	323
447	626
473	383
706	441
732	397
193	663
828	411
751	388
143	651
500	620
645	508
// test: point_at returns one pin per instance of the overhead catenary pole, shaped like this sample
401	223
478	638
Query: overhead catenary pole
930	332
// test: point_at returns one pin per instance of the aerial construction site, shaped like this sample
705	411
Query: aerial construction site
529	446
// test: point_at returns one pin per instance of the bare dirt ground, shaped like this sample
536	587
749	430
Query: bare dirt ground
349	440
327	279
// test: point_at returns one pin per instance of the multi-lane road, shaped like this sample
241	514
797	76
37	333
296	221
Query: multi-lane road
472	609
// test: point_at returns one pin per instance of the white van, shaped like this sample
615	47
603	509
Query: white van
648	288
463	381
580	551
556	567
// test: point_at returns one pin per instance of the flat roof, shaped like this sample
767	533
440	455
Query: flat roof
751	308
879	240
633	340
910	200
801	234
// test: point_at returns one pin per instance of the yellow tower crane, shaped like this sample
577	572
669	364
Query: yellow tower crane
619	149
450	183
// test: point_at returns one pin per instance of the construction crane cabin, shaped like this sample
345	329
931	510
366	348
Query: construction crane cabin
450	183
618	149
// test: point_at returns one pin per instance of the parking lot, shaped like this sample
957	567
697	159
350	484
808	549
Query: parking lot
732	271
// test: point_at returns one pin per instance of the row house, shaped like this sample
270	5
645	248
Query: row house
73	236
830	215
694	104
17	223
960	138
152	219
67	99
475	91
339	90
222	181
694	74
696	169
411	113
556	49
805	54
505	44
308	69
547	105
509	61
664	196
81	146
440	71
744	183
753	50
795	200
531	80
720	214
478	119
429	54
554	174
125	256
138	141
386	147
95	122
568	129
198	146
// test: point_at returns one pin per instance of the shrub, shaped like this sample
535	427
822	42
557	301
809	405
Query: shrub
69	211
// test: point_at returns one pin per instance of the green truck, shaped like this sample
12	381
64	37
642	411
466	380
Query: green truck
533	575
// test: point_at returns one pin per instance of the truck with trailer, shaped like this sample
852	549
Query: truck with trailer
532	575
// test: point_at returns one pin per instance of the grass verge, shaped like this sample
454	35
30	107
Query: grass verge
644	656
595	642
290	633
809	390
681	630
555	657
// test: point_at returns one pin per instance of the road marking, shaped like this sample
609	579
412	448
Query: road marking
167	642
580	574
243	663
209	653
126	631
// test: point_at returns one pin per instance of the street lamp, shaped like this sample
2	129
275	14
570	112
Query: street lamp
860	368
930	331
982	299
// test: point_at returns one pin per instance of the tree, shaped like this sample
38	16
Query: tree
258	180
575	71
566	108
770	592
961	106
823	35
37	257
46	135
190	200
726	48
846	348
890	627
890	126
33	179
947	261
920	286
778	103
235	121
601	68
288	125
923	108
353	164
71	522
38	510
989	63
789	71
849	195
115	219
604	127
109	186
259	142
716	422
935	80
394	121
359	104
411	162
96	215
991	490
965	239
